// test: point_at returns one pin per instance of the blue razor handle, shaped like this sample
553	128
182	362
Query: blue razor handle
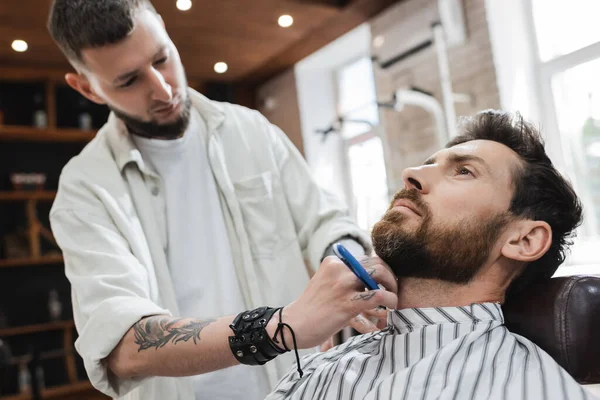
347	258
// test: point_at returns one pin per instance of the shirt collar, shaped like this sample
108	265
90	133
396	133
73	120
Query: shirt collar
409	319
124	148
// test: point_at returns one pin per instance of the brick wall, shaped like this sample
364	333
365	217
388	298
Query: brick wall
410	134
278	101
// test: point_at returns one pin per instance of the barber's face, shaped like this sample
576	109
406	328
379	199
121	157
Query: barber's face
141	79
446	221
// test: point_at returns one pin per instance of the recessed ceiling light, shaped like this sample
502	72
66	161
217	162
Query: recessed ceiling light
19	45
184	5
378	41
285	21
220	67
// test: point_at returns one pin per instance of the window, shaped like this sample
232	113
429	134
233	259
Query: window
565	26
576	93
356	97
369	181
568	43
365	153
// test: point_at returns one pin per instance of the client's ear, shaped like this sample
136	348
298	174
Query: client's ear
528	241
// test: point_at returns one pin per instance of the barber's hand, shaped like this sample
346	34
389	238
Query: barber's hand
376	319
332	299
370	320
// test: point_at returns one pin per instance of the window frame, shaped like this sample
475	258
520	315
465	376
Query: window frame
336	80
545	71
377	130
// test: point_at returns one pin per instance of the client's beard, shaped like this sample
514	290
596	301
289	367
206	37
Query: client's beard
449	253
153	129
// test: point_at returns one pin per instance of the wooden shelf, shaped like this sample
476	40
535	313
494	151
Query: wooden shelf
24	195
28	74
30	261
27	329
31	134
57	391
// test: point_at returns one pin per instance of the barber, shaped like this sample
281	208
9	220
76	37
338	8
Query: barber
183	210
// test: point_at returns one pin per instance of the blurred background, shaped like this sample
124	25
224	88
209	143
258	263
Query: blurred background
363	88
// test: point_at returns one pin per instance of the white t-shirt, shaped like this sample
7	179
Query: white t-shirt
198	252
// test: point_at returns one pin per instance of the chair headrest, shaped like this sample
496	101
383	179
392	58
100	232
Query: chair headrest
562	316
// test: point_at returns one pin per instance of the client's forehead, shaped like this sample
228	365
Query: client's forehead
498	160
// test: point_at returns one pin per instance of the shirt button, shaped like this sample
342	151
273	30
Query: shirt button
155	190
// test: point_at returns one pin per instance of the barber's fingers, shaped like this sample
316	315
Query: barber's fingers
381	324
378	316
381	273
327	344
368	300
377	313
361	324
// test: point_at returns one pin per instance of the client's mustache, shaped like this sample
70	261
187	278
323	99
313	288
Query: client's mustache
414	197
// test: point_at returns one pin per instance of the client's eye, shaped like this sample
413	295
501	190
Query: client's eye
464	171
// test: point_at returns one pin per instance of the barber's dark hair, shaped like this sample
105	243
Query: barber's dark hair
540	191
76	25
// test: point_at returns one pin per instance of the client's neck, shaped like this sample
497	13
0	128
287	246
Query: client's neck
425	293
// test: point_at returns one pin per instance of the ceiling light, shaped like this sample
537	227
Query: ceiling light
19	45
378	41
184	5
220	67
285	21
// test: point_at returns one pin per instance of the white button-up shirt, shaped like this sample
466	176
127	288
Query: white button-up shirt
109	220
434	353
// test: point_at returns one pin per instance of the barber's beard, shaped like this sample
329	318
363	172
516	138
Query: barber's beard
449	253
153	129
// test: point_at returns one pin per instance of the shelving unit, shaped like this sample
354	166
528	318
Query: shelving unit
52	133
74	389
28	329
30	134
24	195
31	261
23	137
35	228
67	329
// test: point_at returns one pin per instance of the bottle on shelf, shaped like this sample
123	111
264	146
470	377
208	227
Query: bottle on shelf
54	306
5	366
40	118
1	113
5	354
24	379
84	119
39	377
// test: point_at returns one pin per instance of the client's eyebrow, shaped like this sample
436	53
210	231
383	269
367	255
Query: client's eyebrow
429	161
455	158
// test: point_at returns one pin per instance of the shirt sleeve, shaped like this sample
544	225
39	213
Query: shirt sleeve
354	247
320	217
110	291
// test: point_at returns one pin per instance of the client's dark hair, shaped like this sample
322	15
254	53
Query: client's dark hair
76	25
540	192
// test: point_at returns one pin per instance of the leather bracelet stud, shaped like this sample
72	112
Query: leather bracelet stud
251	344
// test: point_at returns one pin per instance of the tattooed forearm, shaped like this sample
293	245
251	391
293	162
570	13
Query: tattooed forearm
158	331
364	296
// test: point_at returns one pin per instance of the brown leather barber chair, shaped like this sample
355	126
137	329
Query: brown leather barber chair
562	316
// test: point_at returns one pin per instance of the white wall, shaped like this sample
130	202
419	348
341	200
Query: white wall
514	57
315	80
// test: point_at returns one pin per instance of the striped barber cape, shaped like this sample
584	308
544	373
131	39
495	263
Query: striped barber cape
434	353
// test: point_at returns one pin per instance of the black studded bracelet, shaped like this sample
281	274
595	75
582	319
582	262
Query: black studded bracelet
251	344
